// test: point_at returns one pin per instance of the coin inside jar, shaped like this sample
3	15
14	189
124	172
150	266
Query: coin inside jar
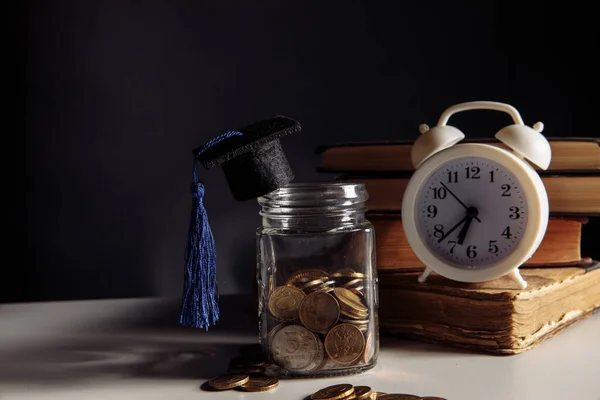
294	347
311	286
319	311
318	359
356	284
354	321
344	343
346	275
350	304
306	275
350	299
284	302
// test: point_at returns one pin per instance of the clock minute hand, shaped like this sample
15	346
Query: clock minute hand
453	229
457	199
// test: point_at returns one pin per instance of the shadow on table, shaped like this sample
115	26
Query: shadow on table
142	344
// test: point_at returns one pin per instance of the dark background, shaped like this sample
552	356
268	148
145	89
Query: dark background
117	93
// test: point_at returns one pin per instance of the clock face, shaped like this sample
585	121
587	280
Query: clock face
472	212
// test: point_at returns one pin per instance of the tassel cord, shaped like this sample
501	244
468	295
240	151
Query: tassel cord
199	306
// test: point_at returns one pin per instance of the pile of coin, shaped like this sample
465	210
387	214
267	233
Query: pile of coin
321	321
245	373
242	382
346	391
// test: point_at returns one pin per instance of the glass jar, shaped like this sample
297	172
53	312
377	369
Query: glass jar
317	280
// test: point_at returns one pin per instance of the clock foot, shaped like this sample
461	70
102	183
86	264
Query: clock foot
516	275
425	274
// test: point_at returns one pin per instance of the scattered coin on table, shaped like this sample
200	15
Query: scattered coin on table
347	392
260	384
377	395
335	392
362	392
225	382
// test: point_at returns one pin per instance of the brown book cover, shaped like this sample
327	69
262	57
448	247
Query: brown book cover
566	194
568	155
493	317
561	245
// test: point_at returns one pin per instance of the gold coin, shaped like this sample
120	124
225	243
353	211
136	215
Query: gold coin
348	274
225	382
306	276
400	396
334	392
352	313
377	395
260	384
362	392
284	302
207	388
344	343
355	284
319	311
311	285
354	321
321	286
326	287
350	300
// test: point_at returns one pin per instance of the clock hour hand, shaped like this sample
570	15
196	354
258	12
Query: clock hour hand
462	235
453	229
457	199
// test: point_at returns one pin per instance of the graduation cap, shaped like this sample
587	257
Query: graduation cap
254	164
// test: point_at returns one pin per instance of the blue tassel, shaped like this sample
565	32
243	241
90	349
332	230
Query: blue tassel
200	308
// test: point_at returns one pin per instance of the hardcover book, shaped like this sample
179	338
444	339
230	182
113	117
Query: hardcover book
493	317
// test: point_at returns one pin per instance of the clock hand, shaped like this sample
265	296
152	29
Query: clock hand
457	199
452	229
471	213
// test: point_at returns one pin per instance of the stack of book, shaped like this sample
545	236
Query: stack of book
563	285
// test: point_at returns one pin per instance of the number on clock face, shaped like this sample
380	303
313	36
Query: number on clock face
472	212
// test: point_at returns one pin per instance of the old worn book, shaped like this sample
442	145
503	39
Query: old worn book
493	317
561	245
566	194
568	154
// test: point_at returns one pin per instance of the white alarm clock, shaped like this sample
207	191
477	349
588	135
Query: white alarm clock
475	212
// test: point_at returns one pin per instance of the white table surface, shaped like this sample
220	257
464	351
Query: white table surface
133	349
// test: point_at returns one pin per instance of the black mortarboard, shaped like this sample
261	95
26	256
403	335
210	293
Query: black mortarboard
254	164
